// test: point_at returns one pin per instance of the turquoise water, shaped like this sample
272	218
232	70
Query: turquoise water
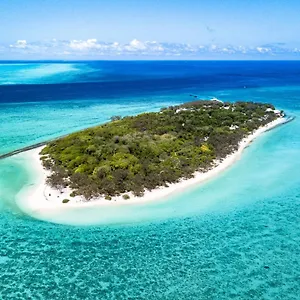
24	73
235	237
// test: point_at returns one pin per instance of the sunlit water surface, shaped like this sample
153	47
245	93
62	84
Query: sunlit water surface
235	237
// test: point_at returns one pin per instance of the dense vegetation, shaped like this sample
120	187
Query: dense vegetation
151	149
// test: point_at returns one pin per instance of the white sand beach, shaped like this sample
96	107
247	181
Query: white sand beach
39	197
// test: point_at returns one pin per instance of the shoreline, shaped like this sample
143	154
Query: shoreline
39	197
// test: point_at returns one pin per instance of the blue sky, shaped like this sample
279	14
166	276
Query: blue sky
165	29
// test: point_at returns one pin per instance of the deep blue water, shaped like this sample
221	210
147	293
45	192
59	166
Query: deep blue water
112	80
235	237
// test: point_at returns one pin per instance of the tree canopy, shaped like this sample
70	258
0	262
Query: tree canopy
151	149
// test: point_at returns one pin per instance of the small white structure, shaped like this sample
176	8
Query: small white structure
277	112
233	127
180	109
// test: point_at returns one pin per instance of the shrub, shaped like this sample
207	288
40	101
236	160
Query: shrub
47	164
149	150
126	197
65	201
138	193
115	118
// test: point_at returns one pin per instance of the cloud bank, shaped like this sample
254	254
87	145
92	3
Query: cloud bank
94	49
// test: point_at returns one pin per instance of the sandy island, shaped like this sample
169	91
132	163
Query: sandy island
39	197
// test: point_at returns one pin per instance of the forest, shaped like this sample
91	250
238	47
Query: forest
143	152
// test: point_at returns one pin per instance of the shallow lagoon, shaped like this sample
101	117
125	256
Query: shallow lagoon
236	237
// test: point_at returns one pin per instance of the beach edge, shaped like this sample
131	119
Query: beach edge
33	198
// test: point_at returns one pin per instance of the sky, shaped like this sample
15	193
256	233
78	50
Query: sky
149	29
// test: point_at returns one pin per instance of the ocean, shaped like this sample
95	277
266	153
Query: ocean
234	237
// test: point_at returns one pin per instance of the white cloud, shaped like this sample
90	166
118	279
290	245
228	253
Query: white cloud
263	50
94	48
82	45
213	47
136	45
21	44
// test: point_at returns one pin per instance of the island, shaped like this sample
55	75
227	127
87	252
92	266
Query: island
152	154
